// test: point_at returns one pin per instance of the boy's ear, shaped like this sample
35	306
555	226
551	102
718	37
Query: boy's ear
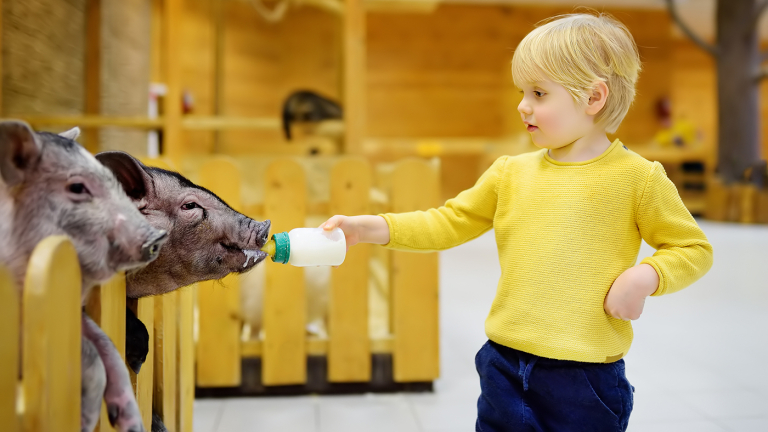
598	98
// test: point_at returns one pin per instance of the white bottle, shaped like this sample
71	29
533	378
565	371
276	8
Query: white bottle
305	247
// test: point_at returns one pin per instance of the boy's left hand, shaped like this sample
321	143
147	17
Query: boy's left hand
626	298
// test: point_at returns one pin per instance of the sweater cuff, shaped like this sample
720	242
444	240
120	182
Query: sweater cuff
662	289
391	225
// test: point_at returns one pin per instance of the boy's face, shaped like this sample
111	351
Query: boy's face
551	115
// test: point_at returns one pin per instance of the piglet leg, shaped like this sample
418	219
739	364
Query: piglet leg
122	409
94	381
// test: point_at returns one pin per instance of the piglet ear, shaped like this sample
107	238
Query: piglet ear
19	151
71	134
129	172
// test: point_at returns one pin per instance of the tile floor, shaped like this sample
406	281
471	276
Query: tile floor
699	360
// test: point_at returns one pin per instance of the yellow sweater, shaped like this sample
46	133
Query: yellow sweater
565	232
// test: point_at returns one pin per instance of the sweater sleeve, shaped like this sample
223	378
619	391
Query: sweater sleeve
683	254
461	219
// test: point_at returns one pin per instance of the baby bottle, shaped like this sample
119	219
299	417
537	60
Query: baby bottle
304	247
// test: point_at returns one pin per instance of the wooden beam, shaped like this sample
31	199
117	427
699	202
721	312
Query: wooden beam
172	145
219	122
92	71
353	75
316	346
94	121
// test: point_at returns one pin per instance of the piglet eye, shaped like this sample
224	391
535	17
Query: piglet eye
77	188
190	206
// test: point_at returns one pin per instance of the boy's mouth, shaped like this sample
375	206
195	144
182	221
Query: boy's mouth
532	128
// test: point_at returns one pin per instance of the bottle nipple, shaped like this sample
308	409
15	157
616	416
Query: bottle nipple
269	248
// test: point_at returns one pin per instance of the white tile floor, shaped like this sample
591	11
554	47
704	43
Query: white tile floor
699	360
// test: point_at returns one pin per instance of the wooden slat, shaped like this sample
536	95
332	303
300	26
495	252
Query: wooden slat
353	36
143	384
349	356
414	281
165	394
112	322
186	358
51	337
285	309
218	345
9	355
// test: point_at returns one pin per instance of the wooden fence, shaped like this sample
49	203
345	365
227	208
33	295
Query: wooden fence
43	331
348	349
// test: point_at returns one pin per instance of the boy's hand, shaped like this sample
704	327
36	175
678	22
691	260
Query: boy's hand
626	298
348	225
360	229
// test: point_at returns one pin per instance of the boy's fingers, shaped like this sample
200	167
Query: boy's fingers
332	223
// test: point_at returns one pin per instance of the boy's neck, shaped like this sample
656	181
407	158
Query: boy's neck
583	149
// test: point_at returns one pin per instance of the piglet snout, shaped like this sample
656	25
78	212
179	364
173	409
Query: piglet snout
263	232
151	248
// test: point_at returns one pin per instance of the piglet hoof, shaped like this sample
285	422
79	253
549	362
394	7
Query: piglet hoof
123	413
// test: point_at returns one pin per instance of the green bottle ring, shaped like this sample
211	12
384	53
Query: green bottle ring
282	248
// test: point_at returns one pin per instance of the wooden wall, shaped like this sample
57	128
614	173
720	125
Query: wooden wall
43	56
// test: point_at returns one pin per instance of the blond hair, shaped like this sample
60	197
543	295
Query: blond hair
576	51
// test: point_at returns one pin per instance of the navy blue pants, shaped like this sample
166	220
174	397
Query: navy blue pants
524	392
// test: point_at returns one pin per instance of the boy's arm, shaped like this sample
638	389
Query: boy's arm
461	219
683	253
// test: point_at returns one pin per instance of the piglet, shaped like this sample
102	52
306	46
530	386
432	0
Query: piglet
51	185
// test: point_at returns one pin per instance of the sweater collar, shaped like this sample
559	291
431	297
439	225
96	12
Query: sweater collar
616	144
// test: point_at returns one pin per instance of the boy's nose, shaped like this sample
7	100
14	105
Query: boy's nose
523	108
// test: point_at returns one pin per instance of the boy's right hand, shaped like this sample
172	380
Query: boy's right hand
360	229
348	225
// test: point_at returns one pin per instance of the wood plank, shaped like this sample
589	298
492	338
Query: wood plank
9	355
218	344
1	57
414	281
166	361
285	310
51	321
349	355
199	122
92	71
186	356
112	322
316	346
353	36
143	384
172	145
94	121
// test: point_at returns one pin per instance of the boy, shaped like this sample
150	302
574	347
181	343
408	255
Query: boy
568	220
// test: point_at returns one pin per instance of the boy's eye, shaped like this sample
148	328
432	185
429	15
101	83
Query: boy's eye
538	93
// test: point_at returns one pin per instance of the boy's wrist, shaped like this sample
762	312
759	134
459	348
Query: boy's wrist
648	278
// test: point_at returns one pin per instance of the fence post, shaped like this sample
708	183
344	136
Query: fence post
52	337
143	384
416	355
164	400
9	355
349	347
218	344
285	310
186	357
